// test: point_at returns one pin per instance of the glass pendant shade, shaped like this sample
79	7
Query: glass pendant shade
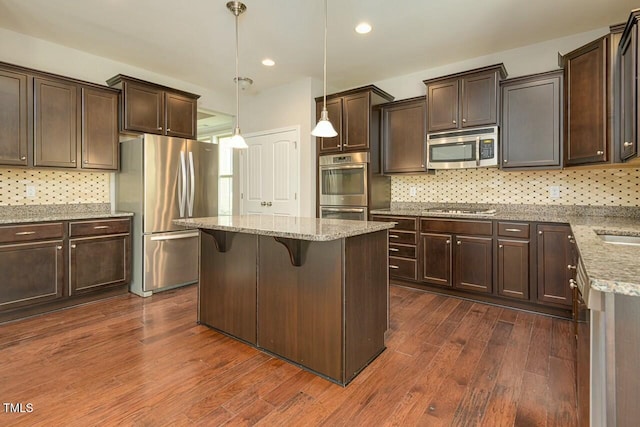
237	141
324	128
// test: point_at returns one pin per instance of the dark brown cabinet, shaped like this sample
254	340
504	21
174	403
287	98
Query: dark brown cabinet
402	246
99	136
513	248
531	121
55	123
589	125
404	128
555	268
14	118
628	74
99	255
464	100
352	116
32	265
454	258
150	108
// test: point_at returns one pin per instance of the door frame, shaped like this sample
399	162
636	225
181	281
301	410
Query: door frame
296	129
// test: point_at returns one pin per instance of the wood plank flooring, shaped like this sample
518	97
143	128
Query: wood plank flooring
145	362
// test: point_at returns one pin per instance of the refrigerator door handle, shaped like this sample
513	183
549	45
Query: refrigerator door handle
192	184
182	187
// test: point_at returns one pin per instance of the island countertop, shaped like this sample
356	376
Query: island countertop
303	228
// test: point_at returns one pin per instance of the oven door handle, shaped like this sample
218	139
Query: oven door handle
358	166
357	210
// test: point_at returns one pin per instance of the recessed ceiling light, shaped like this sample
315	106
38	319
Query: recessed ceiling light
268	62
363	28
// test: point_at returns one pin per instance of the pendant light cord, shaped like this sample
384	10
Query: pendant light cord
324	102
237	77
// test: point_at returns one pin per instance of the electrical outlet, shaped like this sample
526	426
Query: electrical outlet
554	191
31	191
413	191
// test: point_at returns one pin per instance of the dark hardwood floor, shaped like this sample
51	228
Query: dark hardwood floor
135	361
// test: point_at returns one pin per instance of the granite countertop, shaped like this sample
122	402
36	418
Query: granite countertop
45	213
611	268
313	229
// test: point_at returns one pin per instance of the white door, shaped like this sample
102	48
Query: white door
269	174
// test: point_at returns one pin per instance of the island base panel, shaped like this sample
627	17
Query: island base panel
227	296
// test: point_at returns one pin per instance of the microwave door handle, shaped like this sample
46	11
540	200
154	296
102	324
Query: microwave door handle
477	151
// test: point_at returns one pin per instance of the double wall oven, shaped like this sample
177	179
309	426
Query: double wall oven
343	182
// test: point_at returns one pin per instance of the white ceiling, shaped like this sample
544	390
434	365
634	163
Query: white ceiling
193	40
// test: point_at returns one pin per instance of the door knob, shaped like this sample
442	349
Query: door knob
628	144
458	242
599	152
464	120
263	204
454	122
572	283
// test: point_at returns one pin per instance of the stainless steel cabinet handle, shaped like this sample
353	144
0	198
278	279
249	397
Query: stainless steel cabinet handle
501	246
569	237
394	249
454	122
73	246
572	283
571	267
505	161
458	243
626	144
464	120
540	233
25	233
100	227
168	130
448	242
59	247
269	203
394	236
514	230
159	128
73	161
25	158
263	204
599	152
395	267
86	161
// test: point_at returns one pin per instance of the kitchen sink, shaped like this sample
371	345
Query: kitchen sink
620	240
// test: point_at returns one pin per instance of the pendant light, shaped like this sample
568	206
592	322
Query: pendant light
237	141
324	128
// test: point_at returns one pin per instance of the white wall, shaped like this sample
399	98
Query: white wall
535	58
292	104
27	51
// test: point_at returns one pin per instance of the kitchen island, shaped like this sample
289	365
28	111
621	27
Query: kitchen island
312	291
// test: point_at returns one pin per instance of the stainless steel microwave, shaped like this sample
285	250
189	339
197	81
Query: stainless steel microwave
468	148
343	179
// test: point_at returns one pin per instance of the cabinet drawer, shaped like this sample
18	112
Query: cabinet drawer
31	232
404	251
454	226
513	229
97	228
402	223
403	268
405	237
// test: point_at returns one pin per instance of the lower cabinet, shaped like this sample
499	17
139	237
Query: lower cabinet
436	259
513	268
402	246
58	264
555	267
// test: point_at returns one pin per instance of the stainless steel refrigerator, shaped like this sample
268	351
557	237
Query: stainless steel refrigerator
162	179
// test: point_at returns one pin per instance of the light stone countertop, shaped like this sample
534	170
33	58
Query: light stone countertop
611	268
47	213
313	229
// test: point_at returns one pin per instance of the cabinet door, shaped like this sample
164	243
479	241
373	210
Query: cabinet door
357	111
143	108
98	262
334	108
628	102
403	137
586	82
442	110
478	100
554	257
13	119
31	273
99	129
513	268
474	263
55	123
531	123
181	115
436	258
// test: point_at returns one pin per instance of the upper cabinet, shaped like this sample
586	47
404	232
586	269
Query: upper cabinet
14	118
352	115
404	128
55	121
531	121
150	108
628	73
464	100
589	98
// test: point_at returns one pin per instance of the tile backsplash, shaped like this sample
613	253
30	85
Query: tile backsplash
53	187
595	187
